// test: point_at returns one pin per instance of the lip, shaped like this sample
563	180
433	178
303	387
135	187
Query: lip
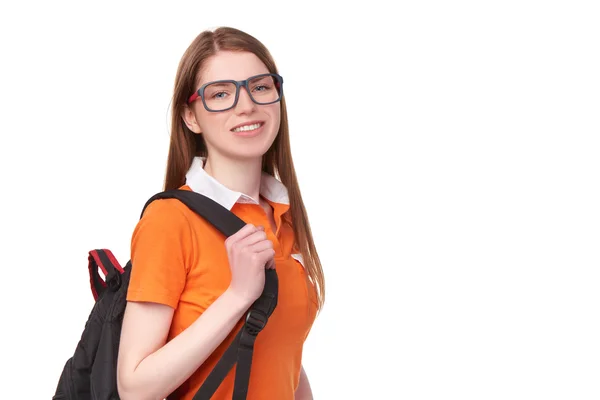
248	123
250	134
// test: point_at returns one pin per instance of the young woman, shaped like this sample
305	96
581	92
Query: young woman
189	288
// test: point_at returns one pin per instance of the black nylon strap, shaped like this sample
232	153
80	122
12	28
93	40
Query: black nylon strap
256	320
221	218
219	372
242	347
242	372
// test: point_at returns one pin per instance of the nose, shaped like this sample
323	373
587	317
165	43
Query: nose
245	103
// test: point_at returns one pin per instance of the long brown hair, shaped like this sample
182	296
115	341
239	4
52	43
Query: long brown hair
185	144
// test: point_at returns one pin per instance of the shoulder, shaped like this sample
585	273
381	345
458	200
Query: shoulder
164	219
167	210
163	251
173	218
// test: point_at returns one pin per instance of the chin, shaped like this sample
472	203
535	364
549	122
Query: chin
252	148
246	153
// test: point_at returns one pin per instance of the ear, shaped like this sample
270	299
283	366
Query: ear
189	118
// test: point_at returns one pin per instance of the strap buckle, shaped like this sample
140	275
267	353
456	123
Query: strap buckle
255	321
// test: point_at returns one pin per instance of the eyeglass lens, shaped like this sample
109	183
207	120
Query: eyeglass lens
221	95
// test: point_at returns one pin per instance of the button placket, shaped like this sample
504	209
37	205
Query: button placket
272	236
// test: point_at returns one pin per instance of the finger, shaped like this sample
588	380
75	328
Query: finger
261	245
253	238
266	255
268	263
248	229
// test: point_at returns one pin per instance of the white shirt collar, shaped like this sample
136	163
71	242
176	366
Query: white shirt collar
201	182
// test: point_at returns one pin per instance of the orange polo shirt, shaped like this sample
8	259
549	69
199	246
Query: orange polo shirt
180	260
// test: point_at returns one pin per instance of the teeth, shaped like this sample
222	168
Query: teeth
246	128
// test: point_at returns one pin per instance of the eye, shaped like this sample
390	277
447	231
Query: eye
219	91
262	87
219	95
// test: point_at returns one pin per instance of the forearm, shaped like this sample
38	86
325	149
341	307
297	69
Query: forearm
159	374
304	391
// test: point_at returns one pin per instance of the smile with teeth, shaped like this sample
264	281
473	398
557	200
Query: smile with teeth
247	128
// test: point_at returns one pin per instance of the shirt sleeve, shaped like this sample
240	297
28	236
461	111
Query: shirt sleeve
161	254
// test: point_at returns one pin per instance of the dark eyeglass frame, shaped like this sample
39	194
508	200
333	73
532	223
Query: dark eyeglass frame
239	84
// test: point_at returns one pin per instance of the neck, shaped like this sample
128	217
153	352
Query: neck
238	175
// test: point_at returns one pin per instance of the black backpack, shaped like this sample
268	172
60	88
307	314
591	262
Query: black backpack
91	372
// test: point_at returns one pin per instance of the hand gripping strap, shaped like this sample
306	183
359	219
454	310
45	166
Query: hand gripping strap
242	347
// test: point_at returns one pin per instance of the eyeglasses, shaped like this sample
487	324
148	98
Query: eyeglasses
223	95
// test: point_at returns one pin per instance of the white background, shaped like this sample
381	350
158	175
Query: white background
447	152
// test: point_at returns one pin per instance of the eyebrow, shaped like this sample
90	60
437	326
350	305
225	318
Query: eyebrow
204	82
222	84
264	78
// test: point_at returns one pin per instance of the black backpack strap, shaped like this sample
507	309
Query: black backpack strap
242	347
221	218
256	320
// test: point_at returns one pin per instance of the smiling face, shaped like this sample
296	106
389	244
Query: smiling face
245	131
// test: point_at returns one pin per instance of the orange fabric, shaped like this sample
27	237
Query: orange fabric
180	260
